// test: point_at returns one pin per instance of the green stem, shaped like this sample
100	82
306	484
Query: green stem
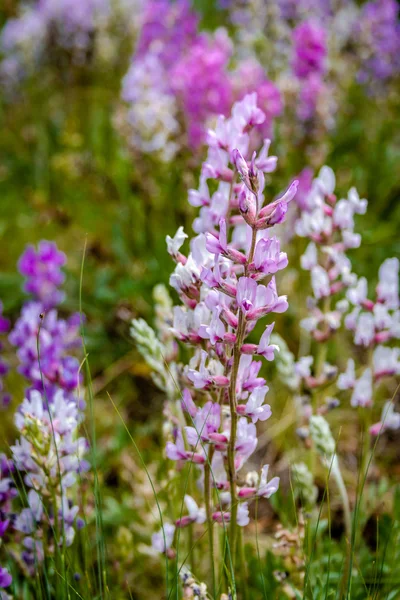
210	529
336	472
320	359
232	441
365	417
241	331
243	570
56	539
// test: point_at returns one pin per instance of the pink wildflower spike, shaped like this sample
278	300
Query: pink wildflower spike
219	287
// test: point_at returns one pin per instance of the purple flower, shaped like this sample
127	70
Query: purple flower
206	421
201	378
42	269
162	540
268	257
168	26
320	282
346	380
221	302
246	293
377	31
255	408
5	578
267	488
386	361
196	514
200	70
310	50
250	77
390	420
264	348
388	286
50	455
53	367
362	392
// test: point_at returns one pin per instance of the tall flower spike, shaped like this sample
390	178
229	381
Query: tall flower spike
45	343
51	455
222	300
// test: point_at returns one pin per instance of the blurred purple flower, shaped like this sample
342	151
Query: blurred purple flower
42	270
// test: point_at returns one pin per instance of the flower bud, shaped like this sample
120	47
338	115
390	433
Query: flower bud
248	206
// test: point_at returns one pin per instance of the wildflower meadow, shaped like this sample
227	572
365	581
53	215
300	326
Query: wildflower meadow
199	299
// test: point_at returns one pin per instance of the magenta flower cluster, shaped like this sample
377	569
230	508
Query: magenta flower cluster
227	283
188	73
43	274
378	32
309	65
